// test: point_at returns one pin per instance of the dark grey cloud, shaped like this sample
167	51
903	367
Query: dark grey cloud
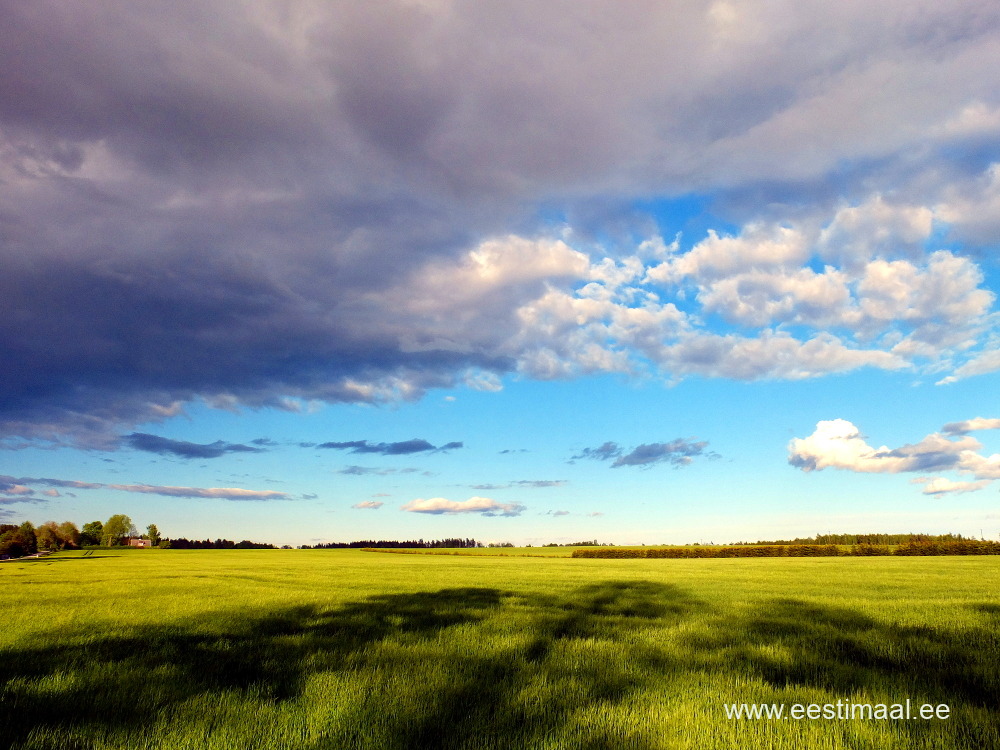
223	493
371	470
603	452
142	441
201	202
356	446
522	483
971	425
918	458
679	452
12	486
48	482
403	448
957	428
20	487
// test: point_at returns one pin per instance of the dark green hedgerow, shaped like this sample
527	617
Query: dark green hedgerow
969	547
789	550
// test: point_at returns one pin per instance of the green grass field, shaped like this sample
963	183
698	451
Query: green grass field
350	649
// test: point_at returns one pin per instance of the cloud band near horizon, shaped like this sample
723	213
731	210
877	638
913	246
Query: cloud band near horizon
483	506
223	493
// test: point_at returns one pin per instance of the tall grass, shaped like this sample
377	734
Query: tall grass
346	649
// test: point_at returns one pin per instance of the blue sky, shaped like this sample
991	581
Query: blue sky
427	269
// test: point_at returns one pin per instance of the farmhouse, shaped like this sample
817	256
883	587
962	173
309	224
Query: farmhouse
139	543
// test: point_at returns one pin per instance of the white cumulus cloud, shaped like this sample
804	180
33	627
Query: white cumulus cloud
943	486
838	444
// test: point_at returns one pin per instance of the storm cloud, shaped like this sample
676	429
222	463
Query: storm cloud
269	206
678	452
165	446
603	452
403	448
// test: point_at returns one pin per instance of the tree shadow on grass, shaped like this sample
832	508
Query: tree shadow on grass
48	560
790	643
844	650
106	682
486	712
580	644
988	608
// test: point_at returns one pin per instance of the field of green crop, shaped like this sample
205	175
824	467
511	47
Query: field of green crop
348	649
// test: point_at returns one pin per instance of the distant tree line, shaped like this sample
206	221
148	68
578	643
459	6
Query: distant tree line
182	543
915	548
865	539
393	544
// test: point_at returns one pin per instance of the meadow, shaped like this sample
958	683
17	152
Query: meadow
349	649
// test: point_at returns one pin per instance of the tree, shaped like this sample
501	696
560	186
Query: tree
27	533
10	541
69	534
92	533
52	536
153	533
116	528
18	541
47	537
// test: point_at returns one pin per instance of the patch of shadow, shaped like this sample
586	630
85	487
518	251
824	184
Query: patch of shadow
128	680
789	642
54	559
603	609
988	608
265	655
485	712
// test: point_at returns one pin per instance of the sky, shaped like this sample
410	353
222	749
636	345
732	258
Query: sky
641	272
